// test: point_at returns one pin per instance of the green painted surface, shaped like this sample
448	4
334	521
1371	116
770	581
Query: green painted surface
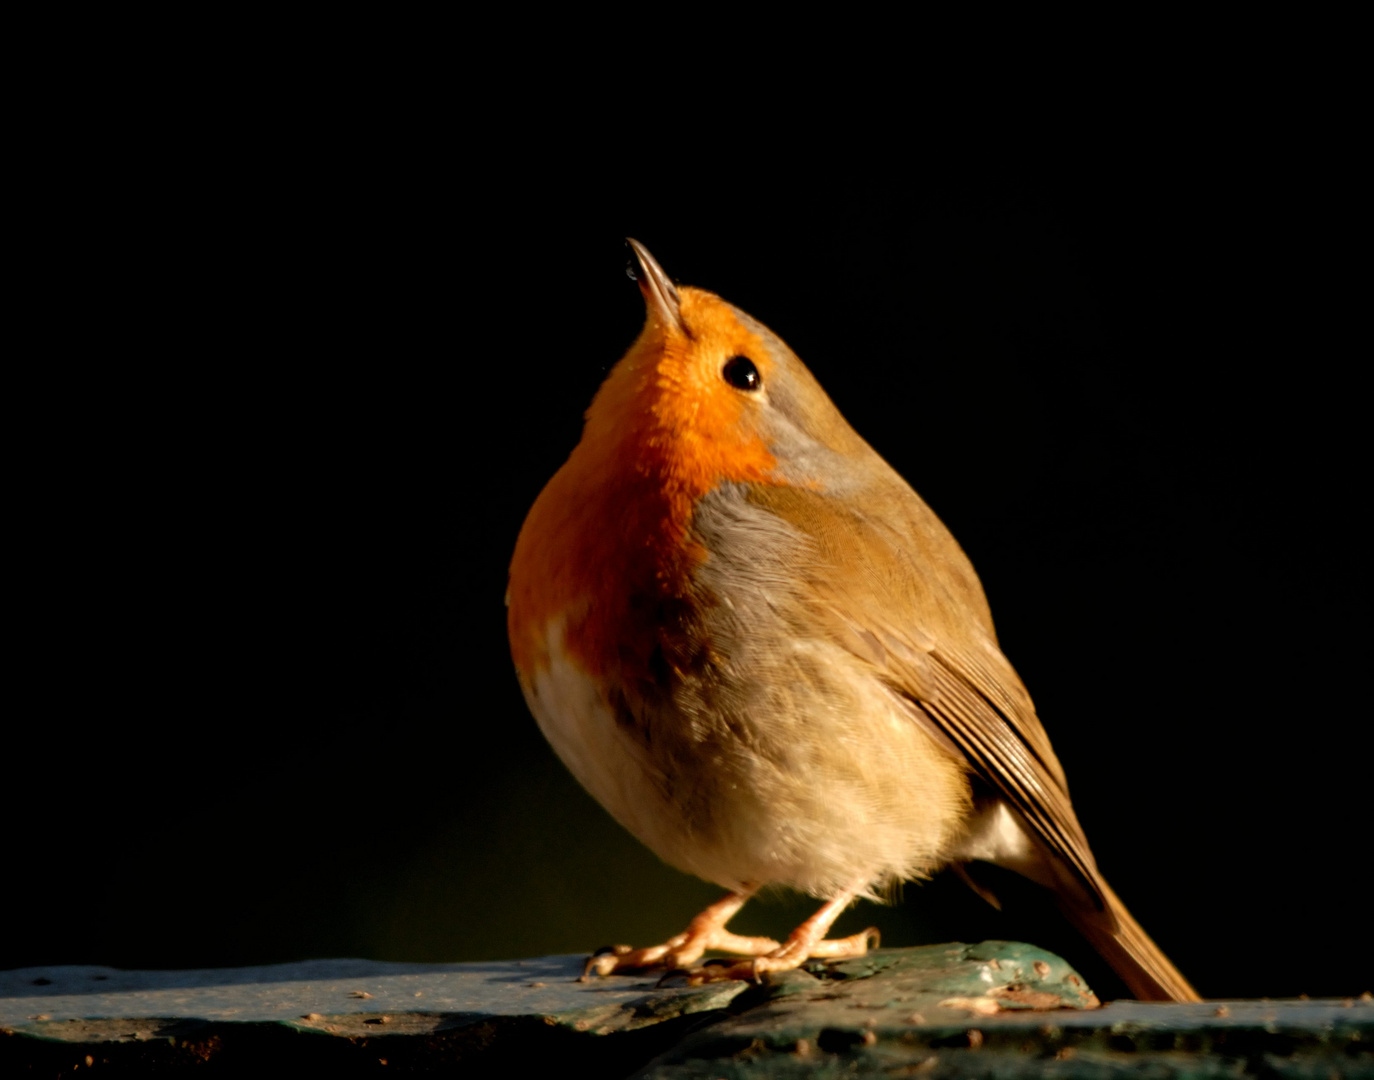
915	1013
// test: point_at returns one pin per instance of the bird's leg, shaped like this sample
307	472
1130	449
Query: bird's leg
706	931
806	942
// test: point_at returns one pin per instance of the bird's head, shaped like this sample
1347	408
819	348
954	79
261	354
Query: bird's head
708	395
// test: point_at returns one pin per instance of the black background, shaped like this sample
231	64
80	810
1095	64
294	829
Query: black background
297	376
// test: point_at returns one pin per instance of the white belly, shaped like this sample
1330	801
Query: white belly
857	793
572	712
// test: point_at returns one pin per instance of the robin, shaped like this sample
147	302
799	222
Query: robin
757	647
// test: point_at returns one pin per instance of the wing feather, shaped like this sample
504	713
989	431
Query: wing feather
909	604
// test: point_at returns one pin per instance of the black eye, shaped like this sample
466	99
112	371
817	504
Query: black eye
740	372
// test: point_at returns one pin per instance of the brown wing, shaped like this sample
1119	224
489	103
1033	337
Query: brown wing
895	586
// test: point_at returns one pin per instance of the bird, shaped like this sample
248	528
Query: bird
756	646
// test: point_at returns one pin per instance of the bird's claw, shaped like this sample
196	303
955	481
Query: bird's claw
604	961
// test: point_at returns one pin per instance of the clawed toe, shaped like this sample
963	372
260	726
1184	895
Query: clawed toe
604	961
846	948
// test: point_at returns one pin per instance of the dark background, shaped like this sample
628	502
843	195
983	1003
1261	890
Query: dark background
296	382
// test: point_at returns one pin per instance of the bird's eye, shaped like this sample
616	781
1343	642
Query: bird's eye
740	372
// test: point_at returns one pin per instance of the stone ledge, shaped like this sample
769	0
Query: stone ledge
1021	1011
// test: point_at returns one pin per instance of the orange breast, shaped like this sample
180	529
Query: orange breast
608	540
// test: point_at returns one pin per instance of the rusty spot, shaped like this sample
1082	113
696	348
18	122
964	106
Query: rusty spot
1065	1053
975	1038
802	1048
1032	999
359	994
1222	1011
870	1038
312	1017
533	986
1042	969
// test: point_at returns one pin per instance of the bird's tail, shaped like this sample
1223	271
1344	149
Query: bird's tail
1140	963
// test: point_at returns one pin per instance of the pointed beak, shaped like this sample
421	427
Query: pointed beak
660	295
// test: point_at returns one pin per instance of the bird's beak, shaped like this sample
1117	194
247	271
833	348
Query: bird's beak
660	295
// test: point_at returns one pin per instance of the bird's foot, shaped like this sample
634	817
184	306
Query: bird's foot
706	931
798	950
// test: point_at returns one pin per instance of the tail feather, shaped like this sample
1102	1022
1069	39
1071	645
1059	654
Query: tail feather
1143	967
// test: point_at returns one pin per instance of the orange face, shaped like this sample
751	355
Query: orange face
671	407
